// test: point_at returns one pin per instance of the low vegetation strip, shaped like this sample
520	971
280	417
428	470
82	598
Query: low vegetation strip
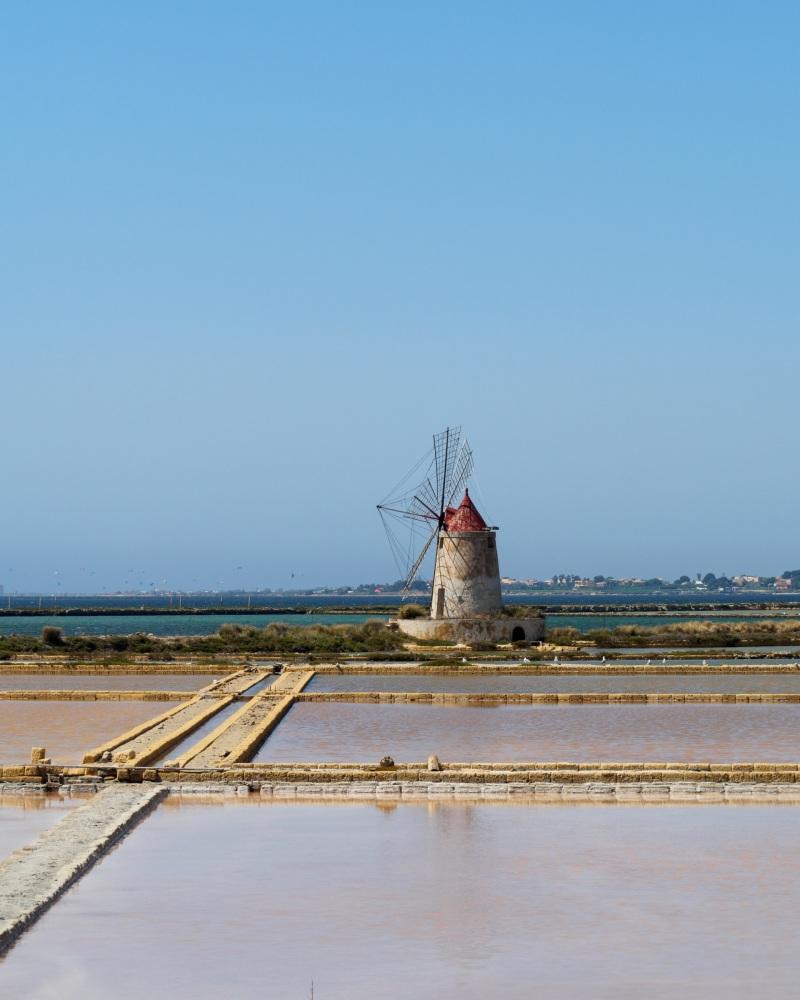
229	638
33	878
377	639
705	634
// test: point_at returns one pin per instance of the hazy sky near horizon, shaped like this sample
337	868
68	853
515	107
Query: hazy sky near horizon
255	254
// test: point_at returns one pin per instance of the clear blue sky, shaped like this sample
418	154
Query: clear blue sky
254	254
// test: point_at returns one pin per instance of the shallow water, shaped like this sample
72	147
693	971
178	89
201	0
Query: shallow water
24	817
103	682
67	729
500	683
314	731
448	901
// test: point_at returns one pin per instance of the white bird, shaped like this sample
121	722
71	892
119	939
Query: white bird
705	663
555	660
604	659
463	659
525	659
648	663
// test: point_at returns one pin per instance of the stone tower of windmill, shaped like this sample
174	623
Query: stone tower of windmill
466	580
466	602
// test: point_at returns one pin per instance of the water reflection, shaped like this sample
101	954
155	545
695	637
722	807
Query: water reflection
24	817
437	900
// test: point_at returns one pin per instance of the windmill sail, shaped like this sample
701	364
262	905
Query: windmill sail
416	507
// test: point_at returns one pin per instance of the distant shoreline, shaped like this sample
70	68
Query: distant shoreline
655	608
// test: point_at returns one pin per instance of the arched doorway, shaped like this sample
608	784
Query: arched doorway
518	634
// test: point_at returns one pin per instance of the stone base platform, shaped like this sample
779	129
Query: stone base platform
470	630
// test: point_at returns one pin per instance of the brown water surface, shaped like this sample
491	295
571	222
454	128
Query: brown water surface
502	683
67	729
448	901
314	731
24	817
103	682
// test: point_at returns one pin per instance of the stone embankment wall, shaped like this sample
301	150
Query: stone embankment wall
545	791
133	665
500	629
224	754
475	774
238	738
150	740
58	694
547	698
534	668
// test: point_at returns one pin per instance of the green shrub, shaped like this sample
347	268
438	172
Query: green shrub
409	611
563	636
52	636
521	611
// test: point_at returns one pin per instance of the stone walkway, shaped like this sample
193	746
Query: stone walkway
33	878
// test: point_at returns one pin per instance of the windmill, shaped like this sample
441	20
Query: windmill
466	596
417	508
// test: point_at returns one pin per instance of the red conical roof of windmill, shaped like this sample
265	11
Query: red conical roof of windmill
465	517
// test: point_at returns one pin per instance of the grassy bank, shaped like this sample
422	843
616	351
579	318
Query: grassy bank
688	634
276	638
375	638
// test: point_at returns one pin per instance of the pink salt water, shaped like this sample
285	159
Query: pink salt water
23	817
500	683
103	682
67	729
447	900
315	731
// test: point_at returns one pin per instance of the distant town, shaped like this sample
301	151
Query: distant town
562	583
788	581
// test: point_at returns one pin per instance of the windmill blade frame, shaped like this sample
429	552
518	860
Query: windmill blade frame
412	573
449	467
461	475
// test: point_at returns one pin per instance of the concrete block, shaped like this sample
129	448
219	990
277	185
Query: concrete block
440	788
